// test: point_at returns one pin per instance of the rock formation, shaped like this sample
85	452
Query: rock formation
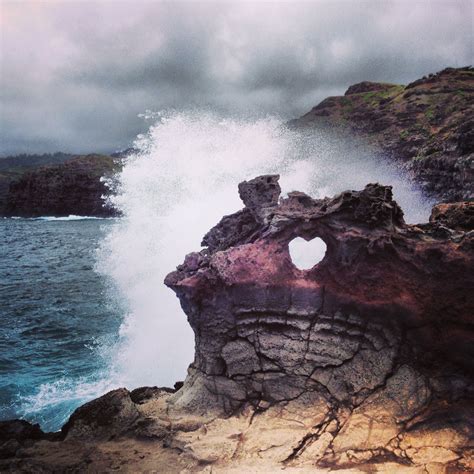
13	167
363	362
427	126
73	187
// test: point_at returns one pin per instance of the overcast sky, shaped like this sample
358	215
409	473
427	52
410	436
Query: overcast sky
75	75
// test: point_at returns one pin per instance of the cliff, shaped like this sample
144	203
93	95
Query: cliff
363	362
427	126
13	167
72	187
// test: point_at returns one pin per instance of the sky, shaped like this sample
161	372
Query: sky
76	76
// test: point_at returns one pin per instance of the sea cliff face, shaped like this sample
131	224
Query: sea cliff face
73	187
427	126
363	362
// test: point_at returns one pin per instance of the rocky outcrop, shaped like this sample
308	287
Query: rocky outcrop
427	126
363	362
370	347
456	215
73	187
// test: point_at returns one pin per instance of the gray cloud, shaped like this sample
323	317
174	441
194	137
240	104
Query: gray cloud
75	75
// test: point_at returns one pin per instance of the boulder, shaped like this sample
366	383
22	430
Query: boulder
104	418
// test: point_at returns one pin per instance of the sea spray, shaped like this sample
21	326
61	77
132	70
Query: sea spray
179	183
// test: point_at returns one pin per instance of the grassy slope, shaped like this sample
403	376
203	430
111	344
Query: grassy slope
428	125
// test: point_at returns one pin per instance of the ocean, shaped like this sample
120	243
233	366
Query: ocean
55	316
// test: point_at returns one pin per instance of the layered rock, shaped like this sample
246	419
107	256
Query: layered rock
427	126
363	362
358	358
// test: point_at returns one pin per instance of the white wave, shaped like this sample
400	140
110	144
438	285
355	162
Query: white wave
70	217
52	404
181	182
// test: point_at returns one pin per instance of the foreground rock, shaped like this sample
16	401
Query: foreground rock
427	126
362	363
74	187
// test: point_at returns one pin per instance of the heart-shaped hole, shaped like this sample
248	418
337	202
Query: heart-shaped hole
305	254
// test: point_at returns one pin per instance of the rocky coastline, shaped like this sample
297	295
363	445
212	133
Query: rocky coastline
426	126
73	187
362	363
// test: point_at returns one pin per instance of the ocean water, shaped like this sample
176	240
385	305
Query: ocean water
83	307
55	316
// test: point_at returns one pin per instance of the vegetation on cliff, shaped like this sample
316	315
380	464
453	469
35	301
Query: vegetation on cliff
427	125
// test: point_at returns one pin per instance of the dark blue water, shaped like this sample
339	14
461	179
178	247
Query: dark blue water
56	318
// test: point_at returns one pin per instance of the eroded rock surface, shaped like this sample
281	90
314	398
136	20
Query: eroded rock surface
362	363
354	350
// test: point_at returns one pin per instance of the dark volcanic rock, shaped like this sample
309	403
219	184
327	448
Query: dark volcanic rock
74	187
260	195
457	215
19	430
269	331
15	434
427	126
143	394
13	167
106	417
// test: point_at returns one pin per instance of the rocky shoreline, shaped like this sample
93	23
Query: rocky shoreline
73	187
362	363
